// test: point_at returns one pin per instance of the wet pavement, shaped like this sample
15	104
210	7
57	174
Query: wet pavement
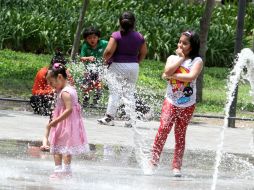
27	126
112	162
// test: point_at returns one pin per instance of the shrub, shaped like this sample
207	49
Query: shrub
16	65
38	26
41	26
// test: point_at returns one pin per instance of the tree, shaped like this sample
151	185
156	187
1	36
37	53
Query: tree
238	47
253	42
204	28
76	42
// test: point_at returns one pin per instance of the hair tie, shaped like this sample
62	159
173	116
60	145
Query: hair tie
56	65
125	19
188	33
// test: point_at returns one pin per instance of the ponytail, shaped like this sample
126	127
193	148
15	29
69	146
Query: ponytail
127	22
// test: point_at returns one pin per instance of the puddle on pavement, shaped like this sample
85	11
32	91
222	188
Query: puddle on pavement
24	166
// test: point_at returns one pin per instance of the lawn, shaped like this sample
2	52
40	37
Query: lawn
19	69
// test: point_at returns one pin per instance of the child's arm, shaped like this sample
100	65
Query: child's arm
171	66
84	56
47	131
45	141
68	109
88	59
192	75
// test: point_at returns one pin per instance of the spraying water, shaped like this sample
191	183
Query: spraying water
245	59
79	72
142	143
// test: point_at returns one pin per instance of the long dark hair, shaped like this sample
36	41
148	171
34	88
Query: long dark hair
194	42
127	22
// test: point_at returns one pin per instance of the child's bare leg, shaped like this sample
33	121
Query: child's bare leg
67	164
58	167
58	162
67	159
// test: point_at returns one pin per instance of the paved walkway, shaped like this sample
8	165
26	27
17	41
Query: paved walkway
27	126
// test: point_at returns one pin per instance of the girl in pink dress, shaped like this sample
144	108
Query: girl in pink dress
66	131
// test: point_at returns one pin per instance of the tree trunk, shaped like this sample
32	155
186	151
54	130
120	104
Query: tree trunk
204	28
76	42
253	43
238	47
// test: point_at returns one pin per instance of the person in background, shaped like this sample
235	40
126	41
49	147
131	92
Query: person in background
181	71
126	49
42	98
91	54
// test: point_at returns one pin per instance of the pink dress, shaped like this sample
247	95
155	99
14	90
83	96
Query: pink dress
69	136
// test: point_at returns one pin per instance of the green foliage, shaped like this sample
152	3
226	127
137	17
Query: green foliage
150	74
17	65
20	88
38	25
19	69
41	26
221	38
161	25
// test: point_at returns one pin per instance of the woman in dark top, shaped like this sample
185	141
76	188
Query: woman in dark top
126	49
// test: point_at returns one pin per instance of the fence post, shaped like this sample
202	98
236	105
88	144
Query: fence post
238	47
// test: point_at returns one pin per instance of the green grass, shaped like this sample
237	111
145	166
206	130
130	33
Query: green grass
15	88
17	65
18	71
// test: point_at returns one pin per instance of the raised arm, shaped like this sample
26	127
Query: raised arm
192	75
172	65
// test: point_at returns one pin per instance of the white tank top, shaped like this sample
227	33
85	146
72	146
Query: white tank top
182	94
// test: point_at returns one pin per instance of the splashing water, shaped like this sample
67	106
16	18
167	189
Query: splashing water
252	143
141	141
143	150
245	59
79	72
